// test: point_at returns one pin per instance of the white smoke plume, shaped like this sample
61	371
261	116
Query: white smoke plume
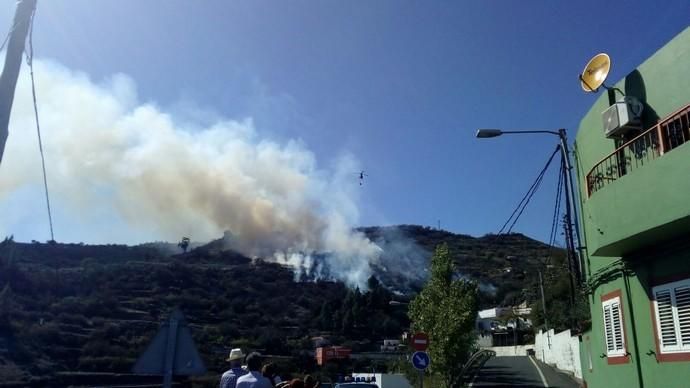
106	149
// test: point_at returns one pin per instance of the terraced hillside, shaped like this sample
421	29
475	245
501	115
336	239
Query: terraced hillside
62	310
94	308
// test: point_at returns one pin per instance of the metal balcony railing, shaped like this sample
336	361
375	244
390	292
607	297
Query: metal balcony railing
670	133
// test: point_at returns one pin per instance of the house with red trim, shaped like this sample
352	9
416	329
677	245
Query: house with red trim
633	173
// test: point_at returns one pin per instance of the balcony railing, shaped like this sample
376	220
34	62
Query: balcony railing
663	137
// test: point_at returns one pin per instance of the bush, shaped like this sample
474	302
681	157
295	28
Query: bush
46	333
72	319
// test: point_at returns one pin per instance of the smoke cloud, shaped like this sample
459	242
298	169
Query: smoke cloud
164	178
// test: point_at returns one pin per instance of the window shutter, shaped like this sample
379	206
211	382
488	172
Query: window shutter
613	327
617	327
672	303
666	322
608	329
682	295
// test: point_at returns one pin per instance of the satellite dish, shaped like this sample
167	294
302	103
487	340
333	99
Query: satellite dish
595	73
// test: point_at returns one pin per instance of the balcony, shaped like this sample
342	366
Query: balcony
662	138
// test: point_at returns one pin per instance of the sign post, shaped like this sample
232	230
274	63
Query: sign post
420	358
421	361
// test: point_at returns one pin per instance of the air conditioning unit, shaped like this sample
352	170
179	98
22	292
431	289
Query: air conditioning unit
622	116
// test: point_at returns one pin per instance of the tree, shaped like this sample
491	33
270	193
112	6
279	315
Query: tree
6	308
184	244
348	323
373	283
446	310
325	318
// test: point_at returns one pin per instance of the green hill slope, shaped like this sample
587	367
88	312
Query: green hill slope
94	308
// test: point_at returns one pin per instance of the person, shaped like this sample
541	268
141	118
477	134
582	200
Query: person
229	378
253	379
270	371
296	383
310	382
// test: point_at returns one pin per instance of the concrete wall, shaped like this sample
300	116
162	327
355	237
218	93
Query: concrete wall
560	350
511	351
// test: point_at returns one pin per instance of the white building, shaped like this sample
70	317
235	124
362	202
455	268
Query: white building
391	345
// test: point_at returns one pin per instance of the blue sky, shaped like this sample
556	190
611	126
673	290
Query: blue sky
400	85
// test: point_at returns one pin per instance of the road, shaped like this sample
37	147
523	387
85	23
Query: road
521	371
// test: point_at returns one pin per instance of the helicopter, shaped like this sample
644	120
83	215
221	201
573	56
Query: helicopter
361	174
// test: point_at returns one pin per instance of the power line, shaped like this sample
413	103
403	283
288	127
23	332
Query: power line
515	215
30	62
556	211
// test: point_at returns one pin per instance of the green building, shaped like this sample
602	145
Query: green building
635	218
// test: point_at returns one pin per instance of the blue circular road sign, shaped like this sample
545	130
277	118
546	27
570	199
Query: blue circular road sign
421	360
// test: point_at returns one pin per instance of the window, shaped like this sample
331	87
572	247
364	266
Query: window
672	314
613	327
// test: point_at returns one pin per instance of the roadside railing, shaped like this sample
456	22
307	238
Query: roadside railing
475	362
663	137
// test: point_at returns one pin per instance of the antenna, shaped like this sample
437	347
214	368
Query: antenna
595	73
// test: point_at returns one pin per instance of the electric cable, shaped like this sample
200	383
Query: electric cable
30	62
515	215
556	213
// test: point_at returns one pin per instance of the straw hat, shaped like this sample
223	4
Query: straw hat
235	354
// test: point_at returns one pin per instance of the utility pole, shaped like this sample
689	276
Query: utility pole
571	208
13	62
546	319
543	301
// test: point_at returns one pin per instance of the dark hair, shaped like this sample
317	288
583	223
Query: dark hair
254	361
309	381
296	383
270	369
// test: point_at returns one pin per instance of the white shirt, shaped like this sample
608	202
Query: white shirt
253	379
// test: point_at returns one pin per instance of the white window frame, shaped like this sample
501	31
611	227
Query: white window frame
679	347
610	304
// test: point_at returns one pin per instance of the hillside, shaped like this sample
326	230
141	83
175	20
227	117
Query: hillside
505	266
94	308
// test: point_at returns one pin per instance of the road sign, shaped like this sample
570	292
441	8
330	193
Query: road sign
421	360
172	351
420	342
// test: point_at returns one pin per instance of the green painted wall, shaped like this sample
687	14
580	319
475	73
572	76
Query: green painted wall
639	330
634	217
626	208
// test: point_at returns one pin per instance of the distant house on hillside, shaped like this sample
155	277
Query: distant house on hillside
503	326
392	345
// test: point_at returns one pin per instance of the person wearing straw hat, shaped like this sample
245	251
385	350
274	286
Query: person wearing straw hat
229	378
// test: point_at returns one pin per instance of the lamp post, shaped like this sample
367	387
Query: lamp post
571	207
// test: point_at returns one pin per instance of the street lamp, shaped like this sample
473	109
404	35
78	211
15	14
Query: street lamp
484	133
396	303
571	207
